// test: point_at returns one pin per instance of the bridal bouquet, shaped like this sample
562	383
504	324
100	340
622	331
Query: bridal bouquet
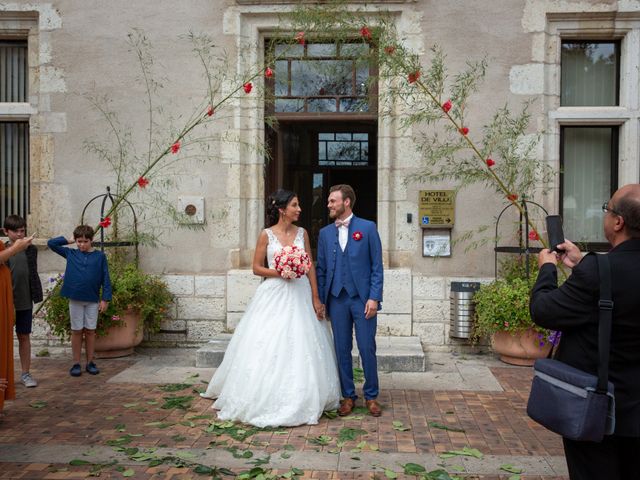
292	262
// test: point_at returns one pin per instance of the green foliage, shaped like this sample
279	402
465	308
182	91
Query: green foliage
132	290
503	305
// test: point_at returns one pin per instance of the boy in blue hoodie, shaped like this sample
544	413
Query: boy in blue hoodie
87	272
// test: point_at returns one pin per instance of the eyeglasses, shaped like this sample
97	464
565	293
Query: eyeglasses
605	209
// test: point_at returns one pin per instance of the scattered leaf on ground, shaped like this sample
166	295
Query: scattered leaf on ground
129	473
182	403
413	469
445	427
174	387
43	353
76	461
390	474
399	426
346	434
507	467
159	424
130	405
321	440
330	414
38	404
466	451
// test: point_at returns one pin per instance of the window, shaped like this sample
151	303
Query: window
322	78
589	167
14	134
590	77
590	73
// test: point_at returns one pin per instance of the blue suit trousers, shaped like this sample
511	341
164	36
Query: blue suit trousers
345	313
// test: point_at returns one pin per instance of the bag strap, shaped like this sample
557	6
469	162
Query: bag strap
605	305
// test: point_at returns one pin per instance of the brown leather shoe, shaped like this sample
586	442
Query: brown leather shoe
346	405
374	408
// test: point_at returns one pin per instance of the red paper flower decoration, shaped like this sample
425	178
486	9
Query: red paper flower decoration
210	110
357	235
365	33
533	235
175	147
446	106
412	77
463	130
268	73
299	37
105	222
143	182
247	87
512	196
389	50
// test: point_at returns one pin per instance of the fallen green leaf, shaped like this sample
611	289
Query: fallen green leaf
38	404
413	469
507	467
321	440
399	426
128	473
130	405
120	427
390	474
466	451
76	462
346	434
445	427
174	387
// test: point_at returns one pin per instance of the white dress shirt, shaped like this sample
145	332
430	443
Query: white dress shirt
343	233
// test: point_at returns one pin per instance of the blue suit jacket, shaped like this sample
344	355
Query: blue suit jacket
364	256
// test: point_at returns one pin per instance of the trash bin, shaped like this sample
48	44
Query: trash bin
462	308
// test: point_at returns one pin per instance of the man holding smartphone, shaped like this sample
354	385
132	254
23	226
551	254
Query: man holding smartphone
573	309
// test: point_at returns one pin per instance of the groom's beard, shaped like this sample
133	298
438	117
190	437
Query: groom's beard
337	212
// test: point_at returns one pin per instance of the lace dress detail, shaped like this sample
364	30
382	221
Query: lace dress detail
279	368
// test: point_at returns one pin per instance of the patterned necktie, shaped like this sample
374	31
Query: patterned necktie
342	223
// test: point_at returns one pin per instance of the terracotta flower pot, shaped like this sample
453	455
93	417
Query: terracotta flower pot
519	349
120	340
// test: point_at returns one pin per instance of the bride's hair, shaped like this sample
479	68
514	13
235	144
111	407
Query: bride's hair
277	200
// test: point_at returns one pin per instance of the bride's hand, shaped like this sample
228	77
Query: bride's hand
319	308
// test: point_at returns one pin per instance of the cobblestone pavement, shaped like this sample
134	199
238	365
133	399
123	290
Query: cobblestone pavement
80	427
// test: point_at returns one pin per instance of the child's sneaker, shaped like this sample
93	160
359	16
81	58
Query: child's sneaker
28	381
92	369
76	370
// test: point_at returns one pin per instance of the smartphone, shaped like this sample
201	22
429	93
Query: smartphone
554	232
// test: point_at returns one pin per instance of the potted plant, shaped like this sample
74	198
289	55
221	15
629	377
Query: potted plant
502	313
140	302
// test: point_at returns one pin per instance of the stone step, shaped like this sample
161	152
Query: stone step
395	354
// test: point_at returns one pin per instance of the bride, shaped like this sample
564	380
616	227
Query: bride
279	368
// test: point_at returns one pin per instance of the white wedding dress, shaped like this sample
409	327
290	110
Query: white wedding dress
279	368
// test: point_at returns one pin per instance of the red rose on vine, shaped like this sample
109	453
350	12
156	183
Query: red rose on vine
412	77
210	111
533	235
105	222
365	33
143	182
512	196
389	49
247	87
268	73
490	162
446	106
175	148
463	130
299	37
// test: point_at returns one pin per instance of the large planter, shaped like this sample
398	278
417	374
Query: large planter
519	349
120	340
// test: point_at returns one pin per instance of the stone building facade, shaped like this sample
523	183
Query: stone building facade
75	48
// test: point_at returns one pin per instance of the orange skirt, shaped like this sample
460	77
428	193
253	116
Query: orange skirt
7	318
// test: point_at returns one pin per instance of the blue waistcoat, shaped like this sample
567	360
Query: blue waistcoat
342	277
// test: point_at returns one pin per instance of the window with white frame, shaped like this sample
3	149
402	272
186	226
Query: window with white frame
589	80
14	130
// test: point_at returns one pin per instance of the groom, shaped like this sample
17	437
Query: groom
349	275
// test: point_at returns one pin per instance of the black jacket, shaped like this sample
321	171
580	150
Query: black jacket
34	280
573	309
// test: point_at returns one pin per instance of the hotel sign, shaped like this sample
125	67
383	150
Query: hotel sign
437	208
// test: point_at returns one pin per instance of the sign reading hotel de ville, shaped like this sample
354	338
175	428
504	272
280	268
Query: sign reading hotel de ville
436	208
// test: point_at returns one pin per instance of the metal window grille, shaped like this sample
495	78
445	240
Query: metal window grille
14	169
14	135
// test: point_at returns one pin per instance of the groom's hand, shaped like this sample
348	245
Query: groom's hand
370	309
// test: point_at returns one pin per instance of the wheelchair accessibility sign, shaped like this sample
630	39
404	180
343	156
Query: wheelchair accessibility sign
425	220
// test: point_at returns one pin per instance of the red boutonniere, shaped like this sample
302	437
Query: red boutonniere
357	235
